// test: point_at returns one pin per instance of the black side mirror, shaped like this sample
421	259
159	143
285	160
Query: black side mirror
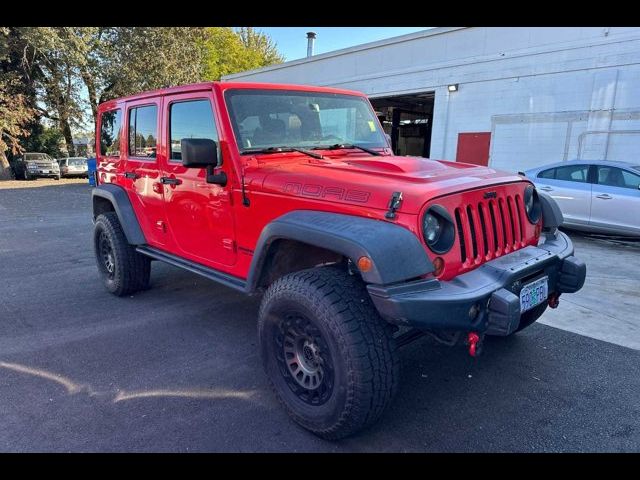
202	153
198	152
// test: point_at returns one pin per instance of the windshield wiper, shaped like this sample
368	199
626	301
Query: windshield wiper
344	146
283	150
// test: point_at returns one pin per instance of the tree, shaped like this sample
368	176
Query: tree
134	59
14	114
229	51
50	59
53	72
46	140
261	50
15	111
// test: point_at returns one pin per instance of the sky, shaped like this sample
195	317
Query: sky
292	41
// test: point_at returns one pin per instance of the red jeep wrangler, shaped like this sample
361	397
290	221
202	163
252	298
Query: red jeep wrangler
293	193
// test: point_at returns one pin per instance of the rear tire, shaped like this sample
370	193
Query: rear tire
123	270
330	358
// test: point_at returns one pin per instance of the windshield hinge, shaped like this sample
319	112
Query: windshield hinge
245	200
394	204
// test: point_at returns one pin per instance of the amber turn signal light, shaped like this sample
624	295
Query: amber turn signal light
364	264
438	264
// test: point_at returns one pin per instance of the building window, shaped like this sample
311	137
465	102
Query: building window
143	126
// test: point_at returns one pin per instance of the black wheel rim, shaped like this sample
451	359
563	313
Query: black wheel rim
304	359
106	255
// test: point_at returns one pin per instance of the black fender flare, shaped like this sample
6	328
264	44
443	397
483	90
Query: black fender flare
118	197
552	216
396	252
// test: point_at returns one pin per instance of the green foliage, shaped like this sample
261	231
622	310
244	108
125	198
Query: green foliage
136	59
230	51
46	140
57	72
14	115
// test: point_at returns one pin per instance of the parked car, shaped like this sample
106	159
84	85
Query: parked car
74	167
293	193
33	165
594	195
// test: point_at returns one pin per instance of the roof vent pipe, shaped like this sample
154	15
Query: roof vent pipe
311	38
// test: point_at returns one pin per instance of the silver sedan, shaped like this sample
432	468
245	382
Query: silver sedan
594	195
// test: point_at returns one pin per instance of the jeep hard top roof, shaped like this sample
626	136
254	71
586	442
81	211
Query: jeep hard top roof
222	86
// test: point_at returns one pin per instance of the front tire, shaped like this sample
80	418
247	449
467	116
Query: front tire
330	358
123	270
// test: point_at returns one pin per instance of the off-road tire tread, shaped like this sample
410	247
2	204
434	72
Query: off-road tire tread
365	340
132	268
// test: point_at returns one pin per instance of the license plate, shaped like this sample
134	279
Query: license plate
534	293
44	171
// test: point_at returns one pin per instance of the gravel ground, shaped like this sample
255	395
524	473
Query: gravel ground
40	182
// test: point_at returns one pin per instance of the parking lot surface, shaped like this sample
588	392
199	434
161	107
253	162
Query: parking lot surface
176	368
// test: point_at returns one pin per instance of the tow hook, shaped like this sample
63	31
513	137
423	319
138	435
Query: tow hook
554	300
475	344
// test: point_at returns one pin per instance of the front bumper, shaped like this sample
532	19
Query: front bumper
42	173
485	300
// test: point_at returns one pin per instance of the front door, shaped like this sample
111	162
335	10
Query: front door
199	213
616	200
141	168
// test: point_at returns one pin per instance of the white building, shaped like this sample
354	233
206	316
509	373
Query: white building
525	95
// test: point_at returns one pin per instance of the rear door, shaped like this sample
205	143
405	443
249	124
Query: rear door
616	200
199	213
141	170
569	186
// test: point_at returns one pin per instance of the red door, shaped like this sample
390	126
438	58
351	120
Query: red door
473	147
199	214
142	160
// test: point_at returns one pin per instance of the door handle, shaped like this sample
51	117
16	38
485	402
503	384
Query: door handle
132	175
604	196
170	181
546	189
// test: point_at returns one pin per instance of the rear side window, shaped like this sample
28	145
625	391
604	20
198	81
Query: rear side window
143	135
550	173
190	119
616	177
110	133
572	173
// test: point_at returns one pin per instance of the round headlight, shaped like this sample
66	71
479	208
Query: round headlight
432	228
532	205
437	229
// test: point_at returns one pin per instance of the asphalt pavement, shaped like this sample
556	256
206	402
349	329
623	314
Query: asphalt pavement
176	368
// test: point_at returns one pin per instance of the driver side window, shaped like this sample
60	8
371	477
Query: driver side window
190	119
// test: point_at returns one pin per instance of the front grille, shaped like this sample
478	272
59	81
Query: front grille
490	228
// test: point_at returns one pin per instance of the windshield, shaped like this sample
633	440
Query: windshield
37	156
282	118
76	162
